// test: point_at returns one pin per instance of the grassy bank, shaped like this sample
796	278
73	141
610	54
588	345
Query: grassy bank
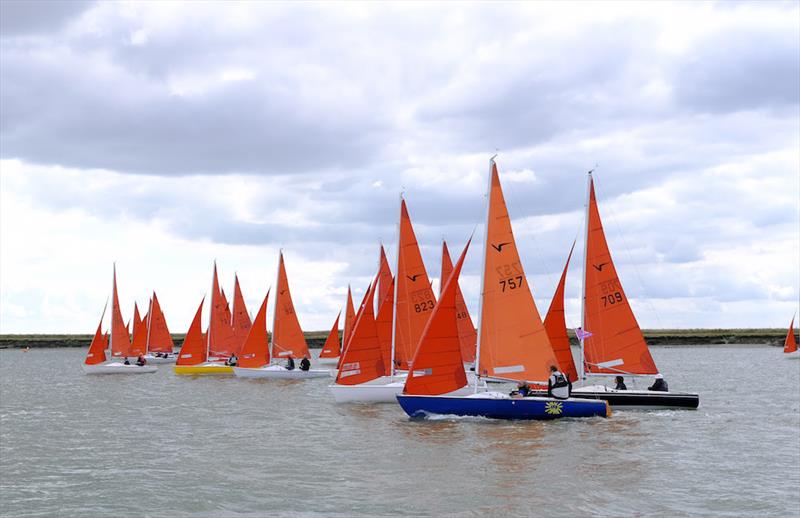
315	339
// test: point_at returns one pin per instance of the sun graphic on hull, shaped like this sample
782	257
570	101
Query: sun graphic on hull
554	408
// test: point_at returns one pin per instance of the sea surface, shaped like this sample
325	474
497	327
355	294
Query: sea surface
163	445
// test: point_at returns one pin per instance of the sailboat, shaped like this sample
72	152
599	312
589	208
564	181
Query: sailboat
331	350
611	341
160	347
287	338
412	301
96	361
790	344
512	342
220	339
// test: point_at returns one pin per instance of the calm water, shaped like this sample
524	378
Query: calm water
157	445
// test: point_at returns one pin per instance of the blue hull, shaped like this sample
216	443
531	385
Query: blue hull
538	408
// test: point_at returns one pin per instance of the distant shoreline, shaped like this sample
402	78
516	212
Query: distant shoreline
315	339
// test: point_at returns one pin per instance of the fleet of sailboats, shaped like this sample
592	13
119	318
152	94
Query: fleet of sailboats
404	345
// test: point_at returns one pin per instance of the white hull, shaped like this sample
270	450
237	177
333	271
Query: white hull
791	356
279	372
118	368
381	390
160	361
327	361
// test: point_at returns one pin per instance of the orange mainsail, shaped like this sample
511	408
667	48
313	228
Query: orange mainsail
467	336
193	350
255	349
438	367
789	345
158	340
287	336
120	339
513	341
222	342
362	361
414	297
97	349
240	320
331	347
616	344
346	343
556	325
349	318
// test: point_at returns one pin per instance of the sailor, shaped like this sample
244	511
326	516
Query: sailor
305	364
140	361
558	386
523	389
659	385
233	361
620	383
290	364
126	362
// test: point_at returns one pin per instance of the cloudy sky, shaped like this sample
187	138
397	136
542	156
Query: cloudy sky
164	135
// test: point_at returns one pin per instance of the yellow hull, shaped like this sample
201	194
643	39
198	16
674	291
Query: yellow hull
203	369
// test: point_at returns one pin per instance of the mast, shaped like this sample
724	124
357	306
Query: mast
275	313
211	313
113	298
396	287
483	274
149	322
582	366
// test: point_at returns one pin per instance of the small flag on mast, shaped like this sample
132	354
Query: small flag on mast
581	334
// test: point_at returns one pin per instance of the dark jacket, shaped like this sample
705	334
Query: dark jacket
620	386
290	364
305	364
659	385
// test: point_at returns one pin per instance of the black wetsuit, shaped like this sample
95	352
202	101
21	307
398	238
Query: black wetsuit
620	386
660	385
305	364
290	364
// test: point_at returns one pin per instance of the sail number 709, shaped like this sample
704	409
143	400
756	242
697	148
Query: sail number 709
612	298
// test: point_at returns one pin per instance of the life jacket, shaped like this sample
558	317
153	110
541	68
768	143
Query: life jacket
559	385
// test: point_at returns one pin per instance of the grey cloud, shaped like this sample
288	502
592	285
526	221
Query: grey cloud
21	17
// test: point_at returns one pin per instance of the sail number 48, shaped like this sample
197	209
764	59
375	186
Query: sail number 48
511	283
612	298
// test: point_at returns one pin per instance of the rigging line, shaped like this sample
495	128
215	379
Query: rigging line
625	245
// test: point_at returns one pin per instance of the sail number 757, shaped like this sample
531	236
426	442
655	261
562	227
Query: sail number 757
511	283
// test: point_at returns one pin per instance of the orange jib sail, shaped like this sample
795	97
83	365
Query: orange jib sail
384	277
120	339
616	344
222	342
790	345
467	336
349	318
255	349
287	335
513	341
193	350
331	347
159	339
97	349
240	319
438	367
556	325
139	343
362	361
346	343
415	298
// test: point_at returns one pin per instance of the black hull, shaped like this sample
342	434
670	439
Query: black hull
643	400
